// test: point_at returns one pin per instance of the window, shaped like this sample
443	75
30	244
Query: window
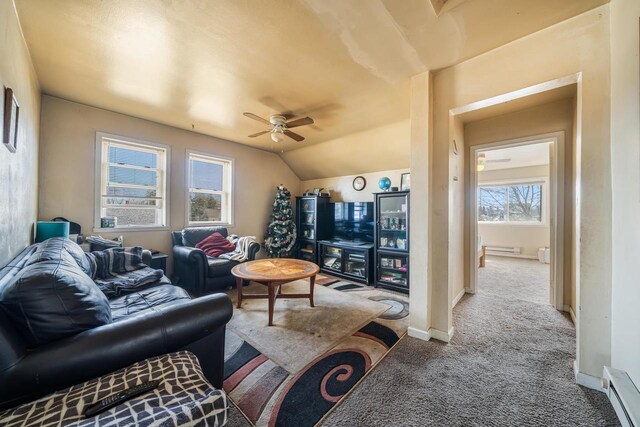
210	197
518	202
132	184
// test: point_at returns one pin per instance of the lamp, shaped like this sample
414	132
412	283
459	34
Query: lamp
276	136
48	229
480	164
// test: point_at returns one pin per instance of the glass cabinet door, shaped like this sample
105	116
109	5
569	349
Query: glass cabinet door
307	219
355	263
393	269
393	225
331	258
307	251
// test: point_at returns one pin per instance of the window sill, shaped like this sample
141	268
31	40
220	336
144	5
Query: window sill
210	224
127	229
514	224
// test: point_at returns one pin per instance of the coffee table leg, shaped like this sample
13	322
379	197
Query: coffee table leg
312	281
272	301
239	287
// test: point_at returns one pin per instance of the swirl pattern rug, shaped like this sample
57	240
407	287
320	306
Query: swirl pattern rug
271	391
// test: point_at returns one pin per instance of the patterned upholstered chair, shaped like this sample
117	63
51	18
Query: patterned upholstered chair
183	397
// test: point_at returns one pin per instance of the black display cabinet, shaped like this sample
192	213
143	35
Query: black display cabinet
392	240
350	260
314	222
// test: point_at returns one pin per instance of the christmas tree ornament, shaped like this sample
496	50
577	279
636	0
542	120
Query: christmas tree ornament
281	232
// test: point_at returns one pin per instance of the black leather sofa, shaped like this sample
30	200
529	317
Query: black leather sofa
194	270
48	352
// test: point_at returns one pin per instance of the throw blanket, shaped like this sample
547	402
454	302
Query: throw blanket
98	243
120	270
241	252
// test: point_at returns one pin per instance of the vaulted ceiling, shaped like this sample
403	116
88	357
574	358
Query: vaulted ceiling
200	64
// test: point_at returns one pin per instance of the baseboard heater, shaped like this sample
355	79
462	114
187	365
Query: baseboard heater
503	250
624	396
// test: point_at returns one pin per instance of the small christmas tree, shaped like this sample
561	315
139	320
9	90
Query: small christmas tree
281	233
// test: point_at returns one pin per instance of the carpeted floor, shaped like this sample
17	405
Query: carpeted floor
509	364
518	278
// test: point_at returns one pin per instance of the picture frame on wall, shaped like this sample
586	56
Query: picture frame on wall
10	121
405	181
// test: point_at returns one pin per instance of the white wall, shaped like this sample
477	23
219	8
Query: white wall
382	148
625	166
577	47
18	171
341	187
527	237
67	170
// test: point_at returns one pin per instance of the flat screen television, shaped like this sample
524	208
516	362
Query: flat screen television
353	221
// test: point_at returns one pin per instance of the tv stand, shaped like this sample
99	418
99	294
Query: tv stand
347	259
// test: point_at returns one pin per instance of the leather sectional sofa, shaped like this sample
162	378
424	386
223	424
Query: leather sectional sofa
58	329
197	272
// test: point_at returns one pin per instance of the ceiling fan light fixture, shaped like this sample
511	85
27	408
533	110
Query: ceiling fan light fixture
277	136
480	163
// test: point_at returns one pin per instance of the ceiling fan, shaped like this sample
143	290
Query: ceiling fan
279	126
482	160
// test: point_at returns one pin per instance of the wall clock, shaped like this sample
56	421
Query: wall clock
359	183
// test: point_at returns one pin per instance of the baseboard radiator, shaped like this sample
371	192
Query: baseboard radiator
503	250
624	396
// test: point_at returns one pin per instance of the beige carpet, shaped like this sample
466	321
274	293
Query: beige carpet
515	278
300	332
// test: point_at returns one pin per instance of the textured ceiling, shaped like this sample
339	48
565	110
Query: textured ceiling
200	64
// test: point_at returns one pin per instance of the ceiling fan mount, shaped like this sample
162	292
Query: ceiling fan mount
279	126
277	120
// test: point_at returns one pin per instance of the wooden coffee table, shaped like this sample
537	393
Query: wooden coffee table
273	273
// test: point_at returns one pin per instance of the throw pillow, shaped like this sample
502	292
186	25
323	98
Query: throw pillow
215	245
114	261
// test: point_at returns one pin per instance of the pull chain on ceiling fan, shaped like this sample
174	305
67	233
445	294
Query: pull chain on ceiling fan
280	127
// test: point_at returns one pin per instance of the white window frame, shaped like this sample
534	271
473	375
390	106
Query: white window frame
101	175
227	211
543	181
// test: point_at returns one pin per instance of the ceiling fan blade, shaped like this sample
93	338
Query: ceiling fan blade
300	122
258	118
294	135
259	133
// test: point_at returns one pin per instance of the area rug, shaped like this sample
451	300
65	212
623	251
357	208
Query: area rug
321	364
300	332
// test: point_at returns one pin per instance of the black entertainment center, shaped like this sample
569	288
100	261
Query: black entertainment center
364	242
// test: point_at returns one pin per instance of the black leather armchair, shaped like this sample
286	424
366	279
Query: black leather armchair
194	270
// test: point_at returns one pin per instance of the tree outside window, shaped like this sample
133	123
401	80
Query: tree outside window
510	203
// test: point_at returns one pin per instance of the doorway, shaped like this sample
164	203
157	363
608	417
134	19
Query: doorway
516	221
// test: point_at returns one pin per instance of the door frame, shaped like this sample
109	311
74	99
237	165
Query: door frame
556	204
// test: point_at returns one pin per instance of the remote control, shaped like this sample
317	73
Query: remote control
118	398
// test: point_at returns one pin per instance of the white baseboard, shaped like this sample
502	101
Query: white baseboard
508	255
431	333
568	309
458	298
586	380
419	334
440	335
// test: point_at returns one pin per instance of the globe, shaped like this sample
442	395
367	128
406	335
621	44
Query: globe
384	183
